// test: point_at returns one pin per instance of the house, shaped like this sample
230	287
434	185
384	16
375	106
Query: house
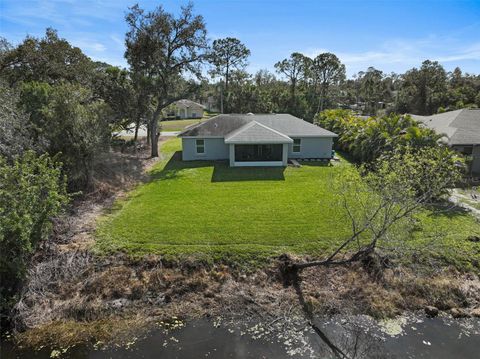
186	109
256	140
461	130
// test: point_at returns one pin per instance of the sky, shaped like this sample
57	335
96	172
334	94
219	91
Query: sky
391	35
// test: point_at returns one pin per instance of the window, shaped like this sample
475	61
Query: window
296	145
200	146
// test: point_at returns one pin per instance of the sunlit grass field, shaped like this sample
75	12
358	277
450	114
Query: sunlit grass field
210	211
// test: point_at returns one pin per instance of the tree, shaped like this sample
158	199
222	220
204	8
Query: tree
372	88
227	55
294	69
14	125
67	119
382	205
49	59
325	71
32	192
161	48
126	94
78	129
424	89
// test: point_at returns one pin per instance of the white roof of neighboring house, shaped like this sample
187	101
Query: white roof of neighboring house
254	132
188	103
461	127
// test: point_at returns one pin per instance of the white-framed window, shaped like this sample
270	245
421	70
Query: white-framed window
297	145
200	146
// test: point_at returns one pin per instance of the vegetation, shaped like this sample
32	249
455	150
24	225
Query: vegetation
207	210
366	139
161	48
32	191
59	106
227	55
178	125
382	206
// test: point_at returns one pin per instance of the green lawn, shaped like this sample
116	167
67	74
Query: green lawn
211	211
179	125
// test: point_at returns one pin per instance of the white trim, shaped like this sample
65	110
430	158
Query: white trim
258	164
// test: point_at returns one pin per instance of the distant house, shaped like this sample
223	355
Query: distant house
461	130
185	109
256	140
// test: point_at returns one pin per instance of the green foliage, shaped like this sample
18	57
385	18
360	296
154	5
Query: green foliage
78	129
162	48
213	212
49	59
32	191
425	174
424	89
367	138
227	55
70	123
14	125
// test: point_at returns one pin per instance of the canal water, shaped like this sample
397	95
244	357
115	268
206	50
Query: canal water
338	337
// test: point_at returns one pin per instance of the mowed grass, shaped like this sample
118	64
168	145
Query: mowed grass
210	211
179	125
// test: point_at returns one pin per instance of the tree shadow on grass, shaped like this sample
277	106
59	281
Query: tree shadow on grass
223	173
447	209
174	167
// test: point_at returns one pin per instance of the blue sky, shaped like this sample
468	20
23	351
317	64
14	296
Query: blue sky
390	35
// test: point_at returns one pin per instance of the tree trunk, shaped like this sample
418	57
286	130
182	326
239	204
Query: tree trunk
221	97
137	125
227	77
154	132
148	133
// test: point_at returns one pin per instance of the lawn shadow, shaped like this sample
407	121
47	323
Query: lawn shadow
316	163
446	209
222	172
175	166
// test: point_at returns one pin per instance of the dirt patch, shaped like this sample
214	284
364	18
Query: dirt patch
114	289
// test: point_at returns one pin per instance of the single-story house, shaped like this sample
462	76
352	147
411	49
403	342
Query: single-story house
256	140
461	130
186	109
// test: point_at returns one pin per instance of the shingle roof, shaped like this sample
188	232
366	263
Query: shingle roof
188	103
461	127
223	125
254	132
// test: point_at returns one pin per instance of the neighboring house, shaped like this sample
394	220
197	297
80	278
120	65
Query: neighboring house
186	109
461	129
256	140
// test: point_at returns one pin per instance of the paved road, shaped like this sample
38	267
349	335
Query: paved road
142	132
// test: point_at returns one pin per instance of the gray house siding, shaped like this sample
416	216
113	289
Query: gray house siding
312	147
215	149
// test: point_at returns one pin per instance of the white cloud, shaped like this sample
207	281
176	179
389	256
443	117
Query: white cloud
400	54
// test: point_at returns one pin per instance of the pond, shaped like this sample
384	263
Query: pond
338	337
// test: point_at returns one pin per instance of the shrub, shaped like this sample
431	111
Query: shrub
32	191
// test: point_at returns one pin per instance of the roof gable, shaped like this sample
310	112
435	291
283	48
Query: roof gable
254	132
